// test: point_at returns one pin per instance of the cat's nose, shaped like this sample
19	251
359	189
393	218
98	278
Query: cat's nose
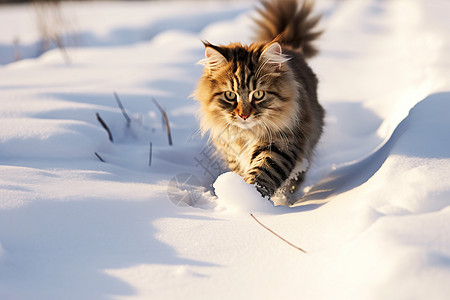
244	117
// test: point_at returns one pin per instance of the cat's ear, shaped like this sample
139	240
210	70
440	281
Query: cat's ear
273	55
213	58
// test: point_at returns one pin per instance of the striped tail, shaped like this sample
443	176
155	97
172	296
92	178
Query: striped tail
289	23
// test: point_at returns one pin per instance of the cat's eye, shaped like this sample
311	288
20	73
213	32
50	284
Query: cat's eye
230	96
258	95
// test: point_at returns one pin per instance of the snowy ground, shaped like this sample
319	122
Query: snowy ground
375	216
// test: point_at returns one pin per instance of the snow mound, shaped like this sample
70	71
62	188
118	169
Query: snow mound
235	195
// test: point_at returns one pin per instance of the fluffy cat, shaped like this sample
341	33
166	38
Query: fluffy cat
259	101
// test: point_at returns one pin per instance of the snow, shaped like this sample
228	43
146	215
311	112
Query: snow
242	197
374	212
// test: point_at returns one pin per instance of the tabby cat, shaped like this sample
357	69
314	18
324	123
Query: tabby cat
259	102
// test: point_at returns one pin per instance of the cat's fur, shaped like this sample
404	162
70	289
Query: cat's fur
259	102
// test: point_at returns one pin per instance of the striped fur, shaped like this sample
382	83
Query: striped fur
290	23
259	101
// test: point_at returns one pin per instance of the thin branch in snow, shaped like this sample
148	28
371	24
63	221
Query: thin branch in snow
283	239
166	120
59	42
105	126
124	113
150	155
99	157
16	49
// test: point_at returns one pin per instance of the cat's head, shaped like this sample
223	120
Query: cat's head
250	87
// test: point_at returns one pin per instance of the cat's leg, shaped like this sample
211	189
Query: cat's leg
269	168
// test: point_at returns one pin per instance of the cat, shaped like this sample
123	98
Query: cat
259	101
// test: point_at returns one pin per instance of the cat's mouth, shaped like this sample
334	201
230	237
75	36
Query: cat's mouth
245	124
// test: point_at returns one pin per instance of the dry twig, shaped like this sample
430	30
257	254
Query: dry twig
166	120
99	157
150	155
124	113
16	49
59	42
51	26
105	126
283	239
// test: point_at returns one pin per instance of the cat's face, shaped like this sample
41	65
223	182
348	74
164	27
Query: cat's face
250	87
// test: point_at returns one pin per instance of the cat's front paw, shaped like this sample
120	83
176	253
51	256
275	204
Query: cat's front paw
264	191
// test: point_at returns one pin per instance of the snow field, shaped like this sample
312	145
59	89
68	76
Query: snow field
373	215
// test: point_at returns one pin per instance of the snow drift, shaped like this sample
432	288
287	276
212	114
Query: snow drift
165	222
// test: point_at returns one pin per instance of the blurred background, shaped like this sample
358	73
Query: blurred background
29	1
31	28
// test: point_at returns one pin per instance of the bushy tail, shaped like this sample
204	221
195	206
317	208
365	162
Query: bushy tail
290	23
